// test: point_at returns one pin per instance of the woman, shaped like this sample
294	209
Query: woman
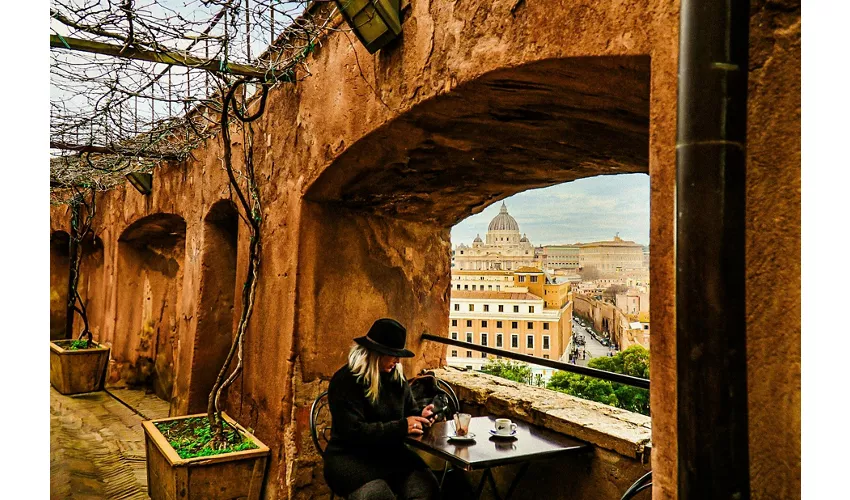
373	411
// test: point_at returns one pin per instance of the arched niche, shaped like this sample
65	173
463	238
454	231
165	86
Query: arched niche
151	254
59	267
217	301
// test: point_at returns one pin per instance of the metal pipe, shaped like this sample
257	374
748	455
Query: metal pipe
581	370
710	259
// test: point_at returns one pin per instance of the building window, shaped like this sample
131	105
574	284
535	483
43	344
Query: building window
483	323
469	354
533	279
514	325
498	340
454	354
546	342
473	287
469	323
498	324
497	288
489	287
545	356
529	341
516	309
468	367
457	307
515	341
545	326
469	337
531	309
486	308
458	286
530	325
483	354
483	339
466	287
454	335
522	279
471	307
454	322
501	308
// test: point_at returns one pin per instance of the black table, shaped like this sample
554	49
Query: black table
531	443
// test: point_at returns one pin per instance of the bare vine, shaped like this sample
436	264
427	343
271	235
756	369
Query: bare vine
83	212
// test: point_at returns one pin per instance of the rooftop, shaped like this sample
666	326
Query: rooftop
465	294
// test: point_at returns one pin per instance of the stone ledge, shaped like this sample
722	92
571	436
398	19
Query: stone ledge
624	432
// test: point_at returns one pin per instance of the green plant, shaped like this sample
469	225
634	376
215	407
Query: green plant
193	437
511	370
78	344
633	361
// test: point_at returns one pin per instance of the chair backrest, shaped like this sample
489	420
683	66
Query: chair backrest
426	386
645	482
320	423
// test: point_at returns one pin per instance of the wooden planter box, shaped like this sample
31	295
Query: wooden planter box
237	475
81	370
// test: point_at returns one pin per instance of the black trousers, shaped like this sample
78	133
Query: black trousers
400	469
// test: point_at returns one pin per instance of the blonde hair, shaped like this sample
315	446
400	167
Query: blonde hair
363	363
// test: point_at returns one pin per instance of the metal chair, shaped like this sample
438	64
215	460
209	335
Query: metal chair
317	419
641	484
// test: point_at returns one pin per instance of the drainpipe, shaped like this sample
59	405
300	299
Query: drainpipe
713	455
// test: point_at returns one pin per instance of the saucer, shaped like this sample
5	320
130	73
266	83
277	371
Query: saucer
495	434
469	437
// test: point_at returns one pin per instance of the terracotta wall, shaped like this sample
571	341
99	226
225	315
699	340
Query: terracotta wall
773	249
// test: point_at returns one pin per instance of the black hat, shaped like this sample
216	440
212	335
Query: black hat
386	336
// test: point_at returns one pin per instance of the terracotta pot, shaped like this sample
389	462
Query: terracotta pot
76	371
227	476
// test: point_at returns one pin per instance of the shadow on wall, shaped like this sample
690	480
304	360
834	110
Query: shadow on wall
59	268
218	294
151	252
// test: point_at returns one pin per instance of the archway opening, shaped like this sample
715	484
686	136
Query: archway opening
216	306
59	269
387	204
151	252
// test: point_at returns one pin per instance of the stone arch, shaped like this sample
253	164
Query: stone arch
151	253
387	203
59	268
217	303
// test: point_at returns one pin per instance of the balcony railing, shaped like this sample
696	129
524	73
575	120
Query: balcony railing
643	383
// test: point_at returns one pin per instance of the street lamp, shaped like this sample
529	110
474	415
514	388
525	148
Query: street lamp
375	22
141	181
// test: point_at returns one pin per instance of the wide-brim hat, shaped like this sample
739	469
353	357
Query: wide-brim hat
387	336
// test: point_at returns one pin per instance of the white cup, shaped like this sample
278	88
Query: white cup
504	426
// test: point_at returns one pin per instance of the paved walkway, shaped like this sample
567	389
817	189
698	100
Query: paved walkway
97	446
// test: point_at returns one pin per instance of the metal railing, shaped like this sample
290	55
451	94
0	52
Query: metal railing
620	378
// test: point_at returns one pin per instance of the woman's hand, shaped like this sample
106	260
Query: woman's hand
428	412
416	424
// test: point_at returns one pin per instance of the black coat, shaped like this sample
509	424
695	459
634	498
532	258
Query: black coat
367	440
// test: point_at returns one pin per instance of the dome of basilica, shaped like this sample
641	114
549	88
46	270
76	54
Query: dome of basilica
503	221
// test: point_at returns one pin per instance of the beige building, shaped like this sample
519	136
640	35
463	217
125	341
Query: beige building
531	315
611	258
504	249
556	257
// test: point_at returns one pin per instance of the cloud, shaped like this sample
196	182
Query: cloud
580	211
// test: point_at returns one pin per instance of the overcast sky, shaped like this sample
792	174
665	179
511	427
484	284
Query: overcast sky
585	210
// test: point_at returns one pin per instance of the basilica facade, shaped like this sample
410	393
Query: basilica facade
504	250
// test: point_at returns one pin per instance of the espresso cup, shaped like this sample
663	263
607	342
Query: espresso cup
504	426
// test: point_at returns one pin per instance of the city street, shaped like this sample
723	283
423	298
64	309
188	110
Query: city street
593	347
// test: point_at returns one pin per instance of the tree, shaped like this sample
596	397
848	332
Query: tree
612	291
589	273
633	361
511	370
